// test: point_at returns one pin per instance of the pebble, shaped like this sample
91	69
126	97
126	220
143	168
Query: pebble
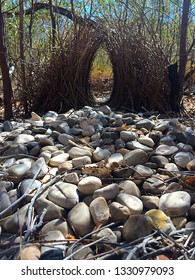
57	160
128	136
175	204
29	253
160	220
89	184
99	210
56	224
109	192
136	226
118	212
166	150
130	187
64	195
145	123
135	157
51	236
154	185
133	203
150	201
80	219
136	145
76	152
183	158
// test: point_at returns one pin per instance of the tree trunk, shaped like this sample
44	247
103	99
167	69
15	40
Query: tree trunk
7	87
183	43
22	56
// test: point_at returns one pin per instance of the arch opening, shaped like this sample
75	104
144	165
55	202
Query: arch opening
101	76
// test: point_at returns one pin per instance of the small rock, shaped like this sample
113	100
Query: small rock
135	157
24	138
192	211
154	185
175	204
183	158
108	192
146	141
160	220
117	157
136	226
56	224
130	187
79	161
7	126
65	166
4	199
133	203
118	212
35	117
71	178
19	168
80	252
64	195
53	211
50	236
80	219
179	222
150	202
64	138
100	154
99	211
191	165
166	150
109	237
57	160
145	123
160	160
89	184
136	145
161	126
29	253
128	136
76	152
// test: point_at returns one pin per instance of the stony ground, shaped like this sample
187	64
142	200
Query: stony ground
97	184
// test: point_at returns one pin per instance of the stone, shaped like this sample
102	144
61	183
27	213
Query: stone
64	138
35	117
31	252
65	166
19	168
17	220
135	157
4	199
80	252
141	170
108	237
24	138
109	192
64	195
53	211
118	212
136	145
100	211
150	201
173	187
79	161
88	130
161	161
51	236
71	178
136	226
160	220
57	160
115	158
175	204
130	187
179	222
76	152
7	126
105	109
145	123
56	224
80	219
38	168
133	203
147	141
191	165
46	155
192	211
166	150
100	154
161	126
183	158
128	136
154	185
89	184
29	185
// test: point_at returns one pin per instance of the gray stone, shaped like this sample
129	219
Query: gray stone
29	185
136	145
133	203
108	192
116	158
175	204
161	126
39	164
118	212
130	187
51	236
128	136
147	141
78	152
80	219
141	170
136	226
89	184
4	199
109	237
79	161
145	123
17	220
100	154
80	252
154	185
56	224
64	138
166	150
150	201
64	195
24	138
135	157
15	150
19	168
53	211
183	158
100	211
160	160
58	159
7	126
